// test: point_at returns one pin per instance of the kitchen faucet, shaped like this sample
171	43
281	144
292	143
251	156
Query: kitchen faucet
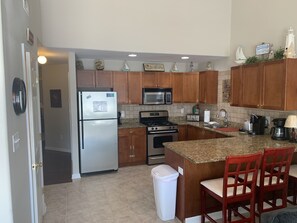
224	114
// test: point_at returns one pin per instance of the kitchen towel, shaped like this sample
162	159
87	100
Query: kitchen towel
206	116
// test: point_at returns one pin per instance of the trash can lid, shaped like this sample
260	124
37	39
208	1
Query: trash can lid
164	172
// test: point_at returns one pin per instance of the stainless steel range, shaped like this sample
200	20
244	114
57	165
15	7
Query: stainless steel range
159	130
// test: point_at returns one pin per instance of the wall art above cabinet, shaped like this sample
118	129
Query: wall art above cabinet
267	85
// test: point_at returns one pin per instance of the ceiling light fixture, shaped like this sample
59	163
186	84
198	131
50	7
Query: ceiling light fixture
42	59
132	55
185	58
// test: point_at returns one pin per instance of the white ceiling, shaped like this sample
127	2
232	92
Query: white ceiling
61	56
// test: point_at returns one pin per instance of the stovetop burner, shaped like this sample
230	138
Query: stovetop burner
156	120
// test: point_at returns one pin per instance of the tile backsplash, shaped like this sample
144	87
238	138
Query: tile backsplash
175	110
235	114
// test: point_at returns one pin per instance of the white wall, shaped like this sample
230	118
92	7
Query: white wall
196	27
15	205
56	120
254	22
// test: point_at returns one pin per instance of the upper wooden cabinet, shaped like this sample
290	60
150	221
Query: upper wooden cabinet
156	80
177	87
86	78
92	78
190	87
134	87
120	85
104	79
269	85
208	87
251	82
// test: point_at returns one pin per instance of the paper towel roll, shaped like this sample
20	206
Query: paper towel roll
206	116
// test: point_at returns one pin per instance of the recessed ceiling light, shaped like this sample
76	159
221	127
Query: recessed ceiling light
185	58
132	55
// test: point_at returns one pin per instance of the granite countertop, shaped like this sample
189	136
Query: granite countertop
130	123
213	150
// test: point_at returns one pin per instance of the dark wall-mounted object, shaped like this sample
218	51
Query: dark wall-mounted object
19	97
56	99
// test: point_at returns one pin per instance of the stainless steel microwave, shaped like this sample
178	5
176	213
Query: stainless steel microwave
157	96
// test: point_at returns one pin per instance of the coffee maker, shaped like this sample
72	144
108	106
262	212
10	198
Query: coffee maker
279	132
258	123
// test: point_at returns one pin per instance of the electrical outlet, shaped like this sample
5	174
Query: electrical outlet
182	110
180	170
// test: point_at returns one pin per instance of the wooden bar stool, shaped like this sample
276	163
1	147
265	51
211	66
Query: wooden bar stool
272	185
232	192
293	179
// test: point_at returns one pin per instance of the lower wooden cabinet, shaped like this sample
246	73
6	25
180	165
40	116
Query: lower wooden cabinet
132	146
182	132
196	133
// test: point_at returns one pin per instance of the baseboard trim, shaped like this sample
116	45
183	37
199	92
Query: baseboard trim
76	176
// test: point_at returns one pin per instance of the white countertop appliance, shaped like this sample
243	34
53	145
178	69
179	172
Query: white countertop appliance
98	131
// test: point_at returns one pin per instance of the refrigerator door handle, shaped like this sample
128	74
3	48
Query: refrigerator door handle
80	109
81	135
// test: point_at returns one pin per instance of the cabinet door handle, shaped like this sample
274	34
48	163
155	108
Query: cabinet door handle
130	154
133	151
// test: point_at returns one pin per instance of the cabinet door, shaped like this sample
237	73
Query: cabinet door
125	149
202	87
192	133
235	86
164	79
135	87
104	79
273	95
190	87
149	80
251	85
211	87
177	87
120	85
138	142
182	133
85	78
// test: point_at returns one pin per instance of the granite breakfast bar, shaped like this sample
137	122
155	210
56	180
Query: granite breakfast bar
199	160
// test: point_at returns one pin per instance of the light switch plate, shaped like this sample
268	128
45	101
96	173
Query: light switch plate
15	142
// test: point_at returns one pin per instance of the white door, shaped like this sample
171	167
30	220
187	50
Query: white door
34	134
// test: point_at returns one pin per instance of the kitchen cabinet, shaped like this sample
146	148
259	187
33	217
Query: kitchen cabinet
177	87
208	87
190	87
94	79
156	80
132	146
134	87
196	133
251	86
268	85
120	85
182	132
85	78
235	86
103	79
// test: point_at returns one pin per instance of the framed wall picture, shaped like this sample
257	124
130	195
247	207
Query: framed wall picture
56	99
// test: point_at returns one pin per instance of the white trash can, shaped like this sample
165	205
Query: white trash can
165	182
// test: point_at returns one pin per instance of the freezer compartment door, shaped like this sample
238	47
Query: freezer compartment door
97	105
99	150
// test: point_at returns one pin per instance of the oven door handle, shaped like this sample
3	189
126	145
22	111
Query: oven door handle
160	132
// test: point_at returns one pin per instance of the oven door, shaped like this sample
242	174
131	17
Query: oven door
155	141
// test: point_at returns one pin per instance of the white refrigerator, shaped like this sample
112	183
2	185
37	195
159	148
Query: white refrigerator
98	131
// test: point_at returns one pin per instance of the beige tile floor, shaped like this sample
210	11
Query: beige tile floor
123	196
